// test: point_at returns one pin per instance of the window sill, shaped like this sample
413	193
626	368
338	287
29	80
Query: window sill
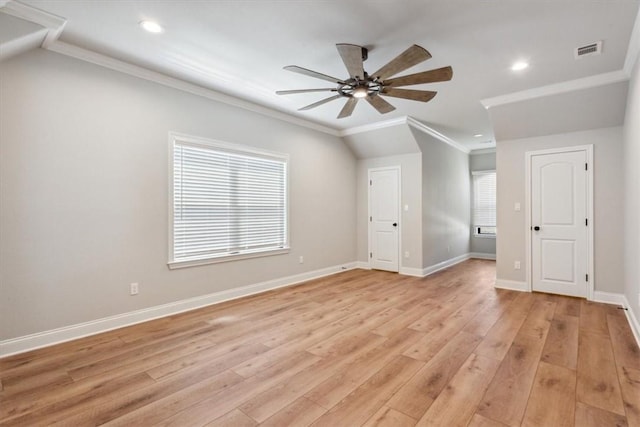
485	236
226	258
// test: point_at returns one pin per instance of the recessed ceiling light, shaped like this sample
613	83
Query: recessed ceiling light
152	27
477	135
520	65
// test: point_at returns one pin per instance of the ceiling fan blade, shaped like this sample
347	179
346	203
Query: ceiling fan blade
407	59
310	73
319	103
290	92
380	104
438	75
414	95
351	55
348	108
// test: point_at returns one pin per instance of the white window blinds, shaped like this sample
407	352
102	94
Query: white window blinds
227	201
484	201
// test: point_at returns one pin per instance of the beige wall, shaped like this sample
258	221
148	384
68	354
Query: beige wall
608	202
632	194
481	162
446	196
410	221
84	196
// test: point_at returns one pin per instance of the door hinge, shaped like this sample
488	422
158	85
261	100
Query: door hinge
586	277
370	218
370	254
586	166
586	222
370	182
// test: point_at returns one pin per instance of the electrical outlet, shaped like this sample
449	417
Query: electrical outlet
133	289
406	254
516	265
301	259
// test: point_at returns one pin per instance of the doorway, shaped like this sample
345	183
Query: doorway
560	221
384	218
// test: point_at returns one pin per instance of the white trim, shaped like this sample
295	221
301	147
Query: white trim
634	47
363	265
153	76
434	133
512	285
409	121
609	298
72	332
444	264
374	126
482	255
398	169
52	23
558	88
588	149
482	151
633	320
411	271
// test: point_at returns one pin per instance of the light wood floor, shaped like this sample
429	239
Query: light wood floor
358	348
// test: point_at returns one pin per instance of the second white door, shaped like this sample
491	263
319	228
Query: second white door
384	202
559	223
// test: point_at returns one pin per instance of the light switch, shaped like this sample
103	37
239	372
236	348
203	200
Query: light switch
516	207
406	208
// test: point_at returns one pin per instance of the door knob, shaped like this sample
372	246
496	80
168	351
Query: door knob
395	224
536	228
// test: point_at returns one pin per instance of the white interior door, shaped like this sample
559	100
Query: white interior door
559	223
384	202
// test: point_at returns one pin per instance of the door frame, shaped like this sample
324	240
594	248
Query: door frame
588	149
398	169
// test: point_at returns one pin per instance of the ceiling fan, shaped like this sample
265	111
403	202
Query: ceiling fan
372	87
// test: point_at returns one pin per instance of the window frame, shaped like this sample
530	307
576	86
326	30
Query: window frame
473	205
175	137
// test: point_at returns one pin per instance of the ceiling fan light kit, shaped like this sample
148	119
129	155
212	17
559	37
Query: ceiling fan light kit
372	87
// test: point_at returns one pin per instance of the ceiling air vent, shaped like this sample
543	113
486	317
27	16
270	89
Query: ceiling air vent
588	50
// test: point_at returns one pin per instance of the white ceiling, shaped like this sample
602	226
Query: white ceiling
239	47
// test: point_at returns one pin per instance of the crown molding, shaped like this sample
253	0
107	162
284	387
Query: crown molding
409	121
53	23
434	133
483	151
172	82
558	88
634	47
374	126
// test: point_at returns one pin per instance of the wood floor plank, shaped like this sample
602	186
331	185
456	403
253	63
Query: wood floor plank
588	416
367	399
339	351
303	412
457	403
387	417
552	401
625	347
506	398
630	387
598	383
561	347
417	395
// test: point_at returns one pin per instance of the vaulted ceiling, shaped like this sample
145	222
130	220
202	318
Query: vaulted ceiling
240	47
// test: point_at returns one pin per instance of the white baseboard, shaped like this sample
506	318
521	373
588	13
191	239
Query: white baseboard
482	255
363	265
512	285
410	271
633	320
610	298
68	333
444	264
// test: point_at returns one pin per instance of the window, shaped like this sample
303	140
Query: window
484	203
227	202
